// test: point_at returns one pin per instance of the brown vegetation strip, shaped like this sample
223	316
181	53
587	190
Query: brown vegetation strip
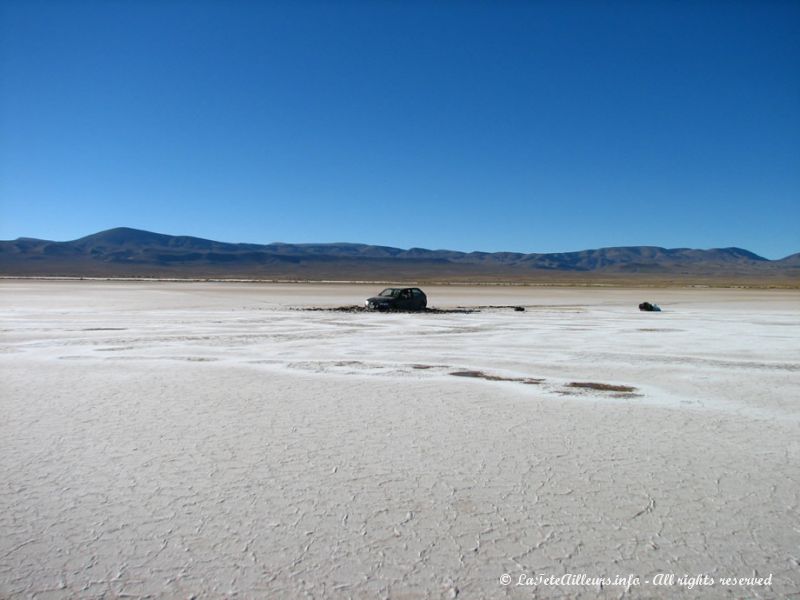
482	375
603	387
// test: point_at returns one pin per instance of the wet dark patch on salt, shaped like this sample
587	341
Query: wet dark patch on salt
363	309
487	377
463	310
601	387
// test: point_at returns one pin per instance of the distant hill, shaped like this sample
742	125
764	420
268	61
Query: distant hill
125	252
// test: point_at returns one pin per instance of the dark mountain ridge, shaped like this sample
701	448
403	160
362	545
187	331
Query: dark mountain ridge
125	252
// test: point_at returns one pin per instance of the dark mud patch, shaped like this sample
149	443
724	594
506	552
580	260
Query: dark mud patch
363	309
602	387
462	310
487	377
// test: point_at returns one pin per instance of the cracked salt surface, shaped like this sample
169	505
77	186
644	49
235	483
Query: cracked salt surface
175	439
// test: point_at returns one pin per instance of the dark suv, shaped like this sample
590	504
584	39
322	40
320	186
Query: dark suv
398	299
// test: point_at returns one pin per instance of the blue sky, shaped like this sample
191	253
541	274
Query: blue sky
523	126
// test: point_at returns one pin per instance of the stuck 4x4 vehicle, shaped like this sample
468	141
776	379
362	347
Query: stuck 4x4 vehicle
398	299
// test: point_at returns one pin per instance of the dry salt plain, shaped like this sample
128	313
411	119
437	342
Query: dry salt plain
178	440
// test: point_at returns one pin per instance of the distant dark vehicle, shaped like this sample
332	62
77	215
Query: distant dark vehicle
649	307
398	299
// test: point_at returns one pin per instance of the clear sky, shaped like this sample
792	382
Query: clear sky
523	126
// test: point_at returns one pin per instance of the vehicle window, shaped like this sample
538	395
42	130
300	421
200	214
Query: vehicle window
388	292
416	293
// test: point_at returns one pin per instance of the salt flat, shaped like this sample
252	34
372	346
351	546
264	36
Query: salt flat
211	440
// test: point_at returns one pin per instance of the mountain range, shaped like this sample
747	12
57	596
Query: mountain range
125	252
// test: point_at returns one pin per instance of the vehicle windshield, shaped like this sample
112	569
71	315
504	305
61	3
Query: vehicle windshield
392	292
